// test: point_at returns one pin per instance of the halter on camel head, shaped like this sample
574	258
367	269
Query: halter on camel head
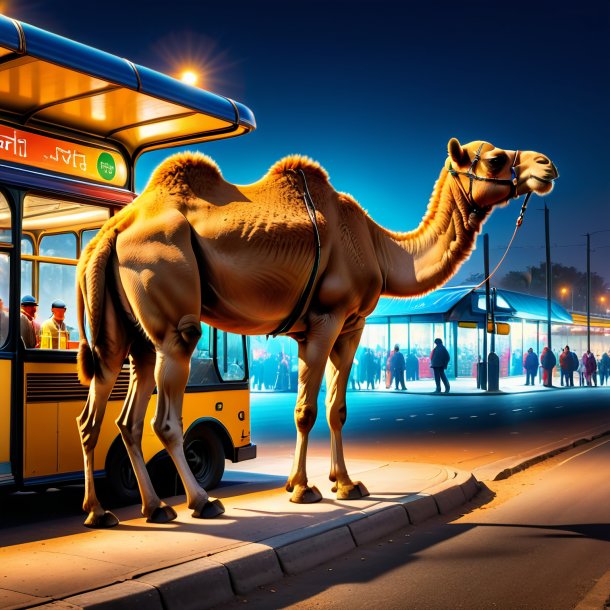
480	212
470	174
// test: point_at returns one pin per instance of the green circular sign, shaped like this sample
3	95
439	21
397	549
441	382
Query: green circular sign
106	167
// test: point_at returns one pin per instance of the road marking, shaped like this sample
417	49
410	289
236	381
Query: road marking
412	415
473	416
454	417
429	413
493	413
583	452
400	419
374	418
515	410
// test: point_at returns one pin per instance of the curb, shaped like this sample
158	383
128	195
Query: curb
502	469
216	579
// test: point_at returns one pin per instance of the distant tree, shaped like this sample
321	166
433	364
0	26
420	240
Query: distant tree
533	281
474	279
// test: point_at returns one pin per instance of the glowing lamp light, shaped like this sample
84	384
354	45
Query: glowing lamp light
189	77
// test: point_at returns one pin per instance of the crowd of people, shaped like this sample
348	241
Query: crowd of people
589	368
51	334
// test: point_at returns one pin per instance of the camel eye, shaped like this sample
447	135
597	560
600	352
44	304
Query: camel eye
497	162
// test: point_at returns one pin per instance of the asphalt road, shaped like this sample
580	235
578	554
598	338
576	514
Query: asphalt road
461	431
544	548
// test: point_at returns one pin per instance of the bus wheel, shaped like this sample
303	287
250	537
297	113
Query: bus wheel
121	482
205	455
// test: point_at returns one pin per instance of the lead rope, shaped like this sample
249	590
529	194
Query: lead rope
517	225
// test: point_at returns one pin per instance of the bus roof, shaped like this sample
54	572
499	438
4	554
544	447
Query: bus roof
47	80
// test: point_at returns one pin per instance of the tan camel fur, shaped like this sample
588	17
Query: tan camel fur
194	247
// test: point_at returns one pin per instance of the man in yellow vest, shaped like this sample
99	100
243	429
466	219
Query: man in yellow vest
54	334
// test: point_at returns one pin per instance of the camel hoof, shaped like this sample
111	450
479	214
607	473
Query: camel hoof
212	508
355	492
306	495
162	514
104	521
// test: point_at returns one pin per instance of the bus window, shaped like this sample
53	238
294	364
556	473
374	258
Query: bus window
5	241
231	356
49	272
27	266
61	245
86	237
203	371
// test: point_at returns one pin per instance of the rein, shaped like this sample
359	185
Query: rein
480	212
288	322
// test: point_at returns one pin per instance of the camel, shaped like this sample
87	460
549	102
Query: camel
256	260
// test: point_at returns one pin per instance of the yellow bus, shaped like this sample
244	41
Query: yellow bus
73	122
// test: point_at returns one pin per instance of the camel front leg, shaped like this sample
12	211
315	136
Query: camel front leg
131	423
337	376
313	354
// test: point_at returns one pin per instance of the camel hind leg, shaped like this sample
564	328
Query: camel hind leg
110	356
131	423
166	301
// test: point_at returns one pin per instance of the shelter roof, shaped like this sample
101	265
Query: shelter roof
49	80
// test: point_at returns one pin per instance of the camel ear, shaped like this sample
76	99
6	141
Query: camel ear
456	152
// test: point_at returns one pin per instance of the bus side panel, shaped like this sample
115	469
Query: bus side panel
40	442
5	417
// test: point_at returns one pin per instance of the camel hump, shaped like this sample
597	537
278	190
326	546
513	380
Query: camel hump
185	170
296	162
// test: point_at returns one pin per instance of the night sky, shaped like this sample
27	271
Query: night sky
374	90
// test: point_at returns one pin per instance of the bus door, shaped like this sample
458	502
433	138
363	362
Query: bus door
53	233
8	303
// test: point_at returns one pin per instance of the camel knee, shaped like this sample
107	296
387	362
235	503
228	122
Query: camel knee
305	418
337	417
131	432
168	432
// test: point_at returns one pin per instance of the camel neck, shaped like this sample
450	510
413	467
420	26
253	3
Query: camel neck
419	261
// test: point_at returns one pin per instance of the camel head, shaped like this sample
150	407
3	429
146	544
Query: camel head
490	176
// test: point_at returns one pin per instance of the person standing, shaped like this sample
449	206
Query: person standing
590	366
54	334
439	360
28	327
548	362
397	365
566	364
530	364
604	368
575	364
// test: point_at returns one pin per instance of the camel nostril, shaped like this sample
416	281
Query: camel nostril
542	160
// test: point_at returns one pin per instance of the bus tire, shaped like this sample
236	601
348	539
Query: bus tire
121	483
205	456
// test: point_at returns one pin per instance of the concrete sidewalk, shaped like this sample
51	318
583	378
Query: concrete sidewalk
192	563
468	386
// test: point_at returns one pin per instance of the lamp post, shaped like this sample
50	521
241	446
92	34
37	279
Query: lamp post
602	303
564	292
589	284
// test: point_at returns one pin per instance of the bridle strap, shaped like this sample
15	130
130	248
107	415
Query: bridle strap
297	311
470	174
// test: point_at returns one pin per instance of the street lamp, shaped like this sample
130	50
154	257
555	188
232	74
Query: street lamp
602	303
564	292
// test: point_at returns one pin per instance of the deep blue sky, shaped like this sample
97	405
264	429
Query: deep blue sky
374	90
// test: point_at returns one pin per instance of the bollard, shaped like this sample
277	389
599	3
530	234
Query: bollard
493	372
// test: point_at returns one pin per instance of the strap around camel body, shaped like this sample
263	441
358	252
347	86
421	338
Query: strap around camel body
296	313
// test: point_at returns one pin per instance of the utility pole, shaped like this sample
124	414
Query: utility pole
549	286
588	292
493	362
483	365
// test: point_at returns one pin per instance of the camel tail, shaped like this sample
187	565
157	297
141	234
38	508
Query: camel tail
90	294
